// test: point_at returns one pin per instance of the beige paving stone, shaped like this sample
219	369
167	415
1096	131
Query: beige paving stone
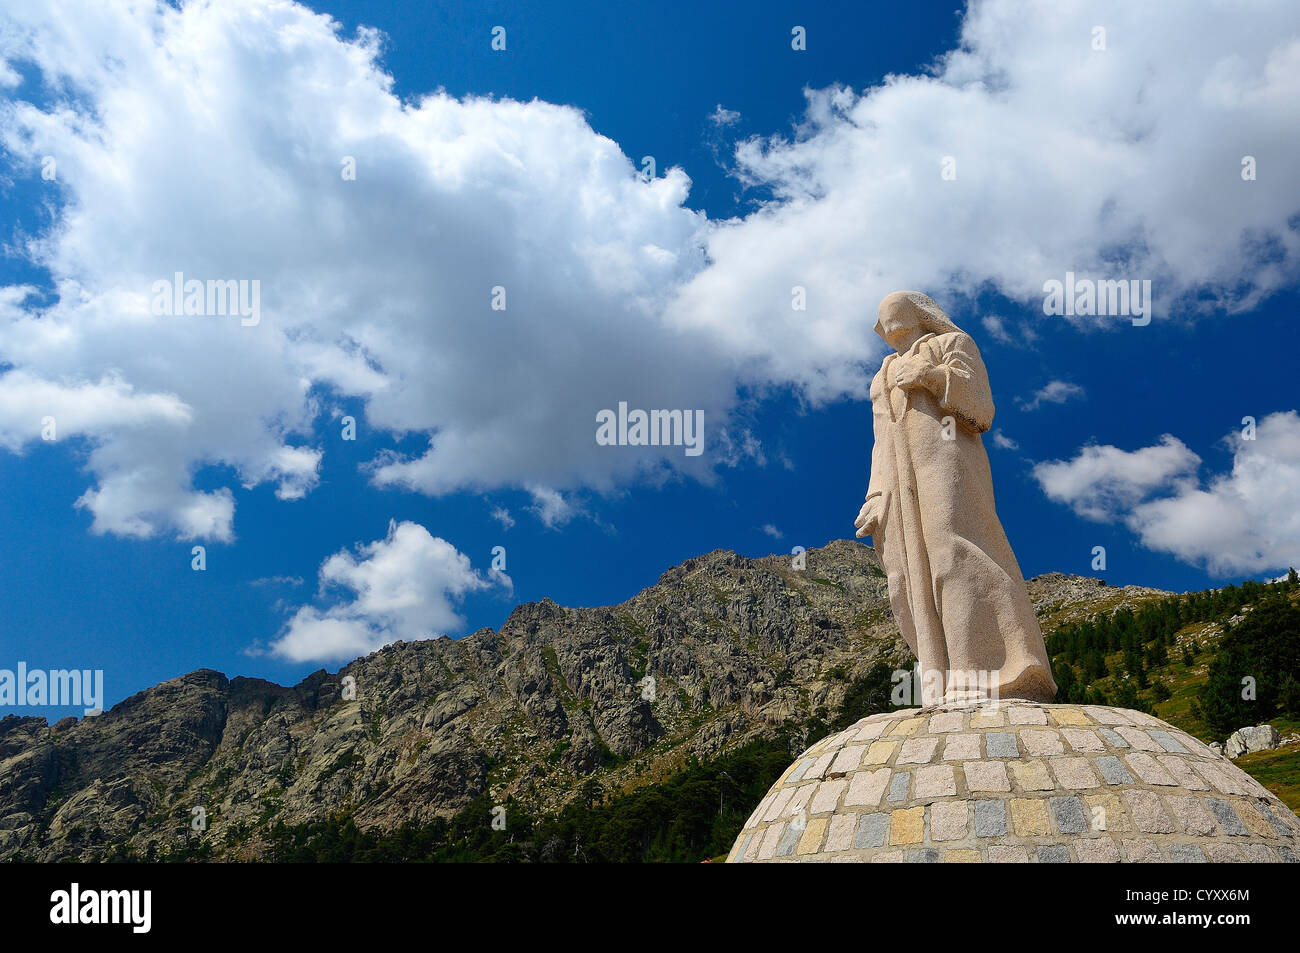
880	752
1031	776
917	751
818	767
888	857
1026	715
842	829
988	718
1074	774
1191	814
1149	812
1106	716
1041	741
801	795
1096	850
866	788
945	722
1029	817
1256	821
827	797
1083	739
908	726
1149	769
986	776
1069	716
962	747
813	834
1182	772
1141	852
759	811
1260	854
770	838
907	826
1139	739
871	731
1218	778
779	803
755	842
1008	855
1105	813
961	856
1223	853
847	760
934	780
949	820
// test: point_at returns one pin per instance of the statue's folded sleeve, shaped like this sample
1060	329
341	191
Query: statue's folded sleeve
966	394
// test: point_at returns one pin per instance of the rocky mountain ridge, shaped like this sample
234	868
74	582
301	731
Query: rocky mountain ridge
720	650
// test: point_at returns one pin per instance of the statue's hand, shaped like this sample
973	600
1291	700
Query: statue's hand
868	520
914	371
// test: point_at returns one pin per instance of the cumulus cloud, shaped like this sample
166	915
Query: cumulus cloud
217	140
502	516
771	530
378	287
1064	159
1246	520
404	586
1054	392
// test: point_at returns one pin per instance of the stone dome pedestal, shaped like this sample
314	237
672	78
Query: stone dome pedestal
1016	782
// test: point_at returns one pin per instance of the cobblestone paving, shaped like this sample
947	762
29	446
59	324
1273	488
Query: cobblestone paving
1017	782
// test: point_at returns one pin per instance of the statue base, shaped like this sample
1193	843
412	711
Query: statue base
1016	781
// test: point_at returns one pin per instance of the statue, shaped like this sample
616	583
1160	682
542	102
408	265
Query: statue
954	585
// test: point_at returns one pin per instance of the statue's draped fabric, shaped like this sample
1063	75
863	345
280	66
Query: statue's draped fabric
954	585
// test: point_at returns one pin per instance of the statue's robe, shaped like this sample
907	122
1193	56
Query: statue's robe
954	585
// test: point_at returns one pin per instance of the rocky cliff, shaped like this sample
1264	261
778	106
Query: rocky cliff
720	650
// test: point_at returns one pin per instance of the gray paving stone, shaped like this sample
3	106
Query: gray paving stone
1115	740
1054	854
1185	853
1226	816
898	786
1274	821
1069	814
789	838
926	855
1112	770
873	829
1001	744
990	818
1167	741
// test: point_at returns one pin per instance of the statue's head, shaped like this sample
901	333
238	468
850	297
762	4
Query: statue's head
906	315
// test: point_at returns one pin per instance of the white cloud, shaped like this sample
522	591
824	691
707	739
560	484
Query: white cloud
210	139
1124	163
1003	442
404	586
1244	521
1054	392
551	507
771	530
502	516
724	117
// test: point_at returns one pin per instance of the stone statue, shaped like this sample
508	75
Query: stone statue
954	585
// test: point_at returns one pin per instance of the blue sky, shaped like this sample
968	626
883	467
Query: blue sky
1066	161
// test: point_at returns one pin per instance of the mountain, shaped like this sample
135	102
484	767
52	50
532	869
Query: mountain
739	651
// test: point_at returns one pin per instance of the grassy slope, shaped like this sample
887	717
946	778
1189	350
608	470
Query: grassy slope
1278	770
